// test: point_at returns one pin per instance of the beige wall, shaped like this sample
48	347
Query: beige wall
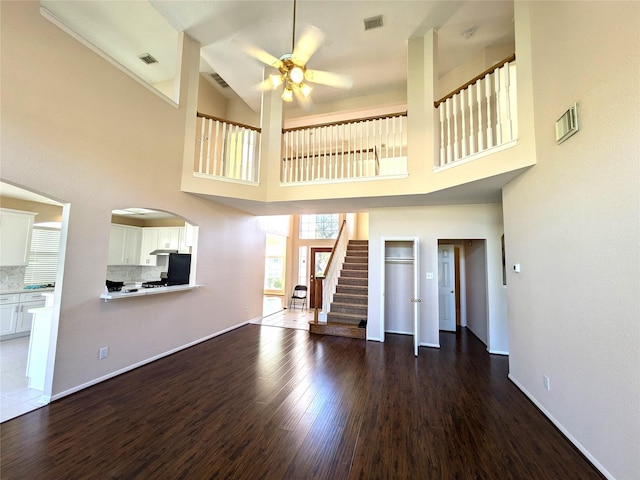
431	224
474	66
572	222
210	100
88	135
45	212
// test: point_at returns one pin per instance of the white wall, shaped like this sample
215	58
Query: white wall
572	222
430	224
88	135
475	263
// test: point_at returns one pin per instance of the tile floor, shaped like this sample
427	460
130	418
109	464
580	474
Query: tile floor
276	316
16	397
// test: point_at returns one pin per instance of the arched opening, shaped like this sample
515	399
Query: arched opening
149	248
33	238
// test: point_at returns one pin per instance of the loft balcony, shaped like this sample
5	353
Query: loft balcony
463	143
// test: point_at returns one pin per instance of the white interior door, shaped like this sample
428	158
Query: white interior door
446	288
416	296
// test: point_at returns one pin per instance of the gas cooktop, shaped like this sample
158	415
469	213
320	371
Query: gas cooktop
155	284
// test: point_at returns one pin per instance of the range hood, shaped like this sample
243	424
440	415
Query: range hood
163	251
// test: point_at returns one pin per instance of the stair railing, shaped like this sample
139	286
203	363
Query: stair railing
366	147
329	279
480	115
226	150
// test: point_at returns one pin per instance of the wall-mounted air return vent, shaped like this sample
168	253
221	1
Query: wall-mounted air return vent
373	22
219	80
147	58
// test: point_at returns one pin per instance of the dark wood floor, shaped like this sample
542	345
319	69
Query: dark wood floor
265	402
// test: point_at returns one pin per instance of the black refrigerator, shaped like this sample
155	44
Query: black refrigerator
179	269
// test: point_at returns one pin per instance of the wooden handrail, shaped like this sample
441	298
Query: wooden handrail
237	124
324	274
333	250
510	58
330	153
345	122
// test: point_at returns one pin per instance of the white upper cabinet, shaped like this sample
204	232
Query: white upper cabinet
15	236
169	237
160	238
148	245
124	245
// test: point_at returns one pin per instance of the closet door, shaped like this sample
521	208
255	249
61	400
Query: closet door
400	309
416	296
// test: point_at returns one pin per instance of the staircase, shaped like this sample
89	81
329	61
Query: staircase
347	315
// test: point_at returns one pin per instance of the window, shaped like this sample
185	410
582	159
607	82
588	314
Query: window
321	226
274	263
302	265
43	256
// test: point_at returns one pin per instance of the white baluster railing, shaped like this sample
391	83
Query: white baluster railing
478	116
226	149
331	274
362	148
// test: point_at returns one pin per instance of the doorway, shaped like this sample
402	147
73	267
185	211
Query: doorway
462	285
319	261
400	312
28	364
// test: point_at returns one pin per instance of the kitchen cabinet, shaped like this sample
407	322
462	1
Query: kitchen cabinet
15	236
8	316
169	237
165	238
149	244
15	319
124	245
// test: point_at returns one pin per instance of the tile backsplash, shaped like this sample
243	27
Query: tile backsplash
12	278
133	273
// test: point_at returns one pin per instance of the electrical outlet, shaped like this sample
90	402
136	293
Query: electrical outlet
546	382
103	353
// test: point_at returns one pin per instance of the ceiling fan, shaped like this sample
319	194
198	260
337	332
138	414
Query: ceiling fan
293	73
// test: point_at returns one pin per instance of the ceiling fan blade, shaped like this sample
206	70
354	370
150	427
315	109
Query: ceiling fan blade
336	80
304	101
307	44
268	84
262	56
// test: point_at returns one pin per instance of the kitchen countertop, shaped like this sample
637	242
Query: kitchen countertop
26	290
141	292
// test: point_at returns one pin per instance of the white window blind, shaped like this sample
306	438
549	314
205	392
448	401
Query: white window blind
43	257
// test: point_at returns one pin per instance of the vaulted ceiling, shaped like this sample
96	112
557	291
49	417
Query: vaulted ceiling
375	59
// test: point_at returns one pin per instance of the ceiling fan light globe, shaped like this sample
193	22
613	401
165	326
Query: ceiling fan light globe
287	95
296	74
305	89
276	80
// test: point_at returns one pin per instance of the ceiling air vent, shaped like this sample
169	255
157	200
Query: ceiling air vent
219	80
373	22
147	58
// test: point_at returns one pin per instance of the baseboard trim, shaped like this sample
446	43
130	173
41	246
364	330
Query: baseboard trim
430	345
498	352
115	373
563	430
